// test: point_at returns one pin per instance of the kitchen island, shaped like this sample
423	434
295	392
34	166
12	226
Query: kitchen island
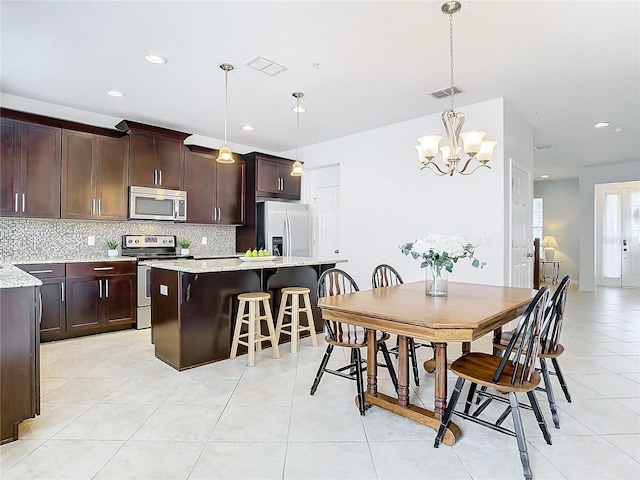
194	304
20	310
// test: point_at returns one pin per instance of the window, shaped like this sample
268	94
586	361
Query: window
538	217
611	232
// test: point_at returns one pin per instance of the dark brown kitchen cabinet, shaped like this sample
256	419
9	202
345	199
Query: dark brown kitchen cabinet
155	155
53	322
215	191
95	176
19	359
100	297
30	168
273	178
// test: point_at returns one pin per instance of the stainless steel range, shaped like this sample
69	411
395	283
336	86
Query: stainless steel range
148	248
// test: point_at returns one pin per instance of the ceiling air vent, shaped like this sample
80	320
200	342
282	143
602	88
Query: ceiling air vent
265	66
446	92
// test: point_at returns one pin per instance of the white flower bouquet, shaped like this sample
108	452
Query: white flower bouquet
438	251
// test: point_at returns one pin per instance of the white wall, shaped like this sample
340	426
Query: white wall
589	178
561	203
386	200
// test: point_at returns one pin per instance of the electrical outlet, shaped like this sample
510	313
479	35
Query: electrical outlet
204	240
91	240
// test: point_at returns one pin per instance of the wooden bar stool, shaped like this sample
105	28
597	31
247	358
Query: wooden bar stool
294	310
252	319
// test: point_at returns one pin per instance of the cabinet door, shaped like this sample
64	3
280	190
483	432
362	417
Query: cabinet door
10	168
53	325
119	299
78	175
199	183
112	179
40	167
84	303
267	179
290	185
230	194
144	160
169	163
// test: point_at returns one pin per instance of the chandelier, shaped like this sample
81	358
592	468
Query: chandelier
296	168
473	142
224	154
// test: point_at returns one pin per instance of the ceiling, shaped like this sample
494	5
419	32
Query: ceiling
564	66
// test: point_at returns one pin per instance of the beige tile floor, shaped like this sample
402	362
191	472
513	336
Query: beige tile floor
111	410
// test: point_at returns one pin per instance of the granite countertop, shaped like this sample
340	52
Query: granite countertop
234	264
74	260
12	277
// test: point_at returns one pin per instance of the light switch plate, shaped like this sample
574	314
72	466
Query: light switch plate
91	240
204	240
164	290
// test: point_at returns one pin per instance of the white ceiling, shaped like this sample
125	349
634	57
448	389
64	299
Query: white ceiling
562	65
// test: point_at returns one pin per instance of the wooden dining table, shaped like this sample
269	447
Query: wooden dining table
469	312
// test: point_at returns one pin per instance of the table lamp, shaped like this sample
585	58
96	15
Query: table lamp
549	243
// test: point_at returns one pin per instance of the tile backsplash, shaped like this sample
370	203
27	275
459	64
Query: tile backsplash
29	239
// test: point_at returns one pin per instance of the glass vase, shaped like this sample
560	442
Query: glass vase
436	281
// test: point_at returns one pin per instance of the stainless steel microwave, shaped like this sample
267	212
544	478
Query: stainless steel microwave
157	204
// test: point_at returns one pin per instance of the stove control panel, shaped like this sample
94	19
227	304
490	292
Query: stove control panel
146	241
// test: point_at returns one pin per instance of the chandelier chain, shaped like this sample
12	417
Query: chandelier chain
451	92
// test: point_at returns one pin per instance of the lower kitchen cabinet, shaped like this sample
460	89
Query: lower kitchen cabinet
53	324
100	297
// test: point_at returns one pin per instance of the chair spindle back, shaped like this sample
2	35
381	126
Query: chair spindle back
525	342
550	338
337	282
385	276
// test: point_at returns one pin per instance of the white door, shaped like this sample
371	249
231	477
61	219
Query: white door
631	237
322	192
521	229
327	208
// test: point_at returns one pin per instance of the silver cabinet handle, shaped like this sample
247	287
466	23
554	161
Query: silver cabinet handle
155	177
160	171
93	206
215	214
16	202
219	214
106	283
40	271
62	292
99	208
99	288
98	269
23	202
40	306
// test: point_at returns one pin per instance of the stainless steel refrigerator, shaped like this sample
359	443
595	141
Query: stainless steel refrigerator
284	228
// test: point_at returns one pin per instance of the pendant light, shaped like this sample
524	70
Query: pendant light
225	155
296	168
474	144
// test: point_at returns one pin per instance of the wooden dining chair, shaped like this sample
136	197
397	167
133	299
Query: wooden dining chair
386	276
550	346
337	282
512	373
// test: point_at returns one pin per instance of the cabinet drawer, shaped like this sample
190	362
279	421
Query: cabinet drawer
100	268
44	270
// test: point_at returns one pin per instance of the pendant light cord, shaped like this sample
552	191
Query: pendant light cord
451	92
297	125
226	95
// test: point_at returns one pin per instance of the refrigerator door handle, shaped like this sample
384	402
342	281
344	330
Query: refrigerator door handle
290	235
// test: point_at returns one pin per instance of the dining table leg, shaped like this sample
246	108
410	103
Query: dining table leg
372	363
403	371
440	388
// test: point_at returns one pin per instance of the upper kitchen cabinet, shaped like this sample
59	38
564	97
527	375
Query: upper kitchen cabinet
30	167
155	155
272	177
94	175
215	191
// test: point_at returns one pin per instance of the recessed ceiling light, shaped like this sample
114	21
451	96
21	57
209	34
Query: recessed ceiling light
544	176
247	128
542	147
115	93
618	129
602	124
157	59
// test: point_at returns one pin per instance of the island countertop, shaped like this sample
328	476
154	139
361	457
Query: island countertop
12	277
235	264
